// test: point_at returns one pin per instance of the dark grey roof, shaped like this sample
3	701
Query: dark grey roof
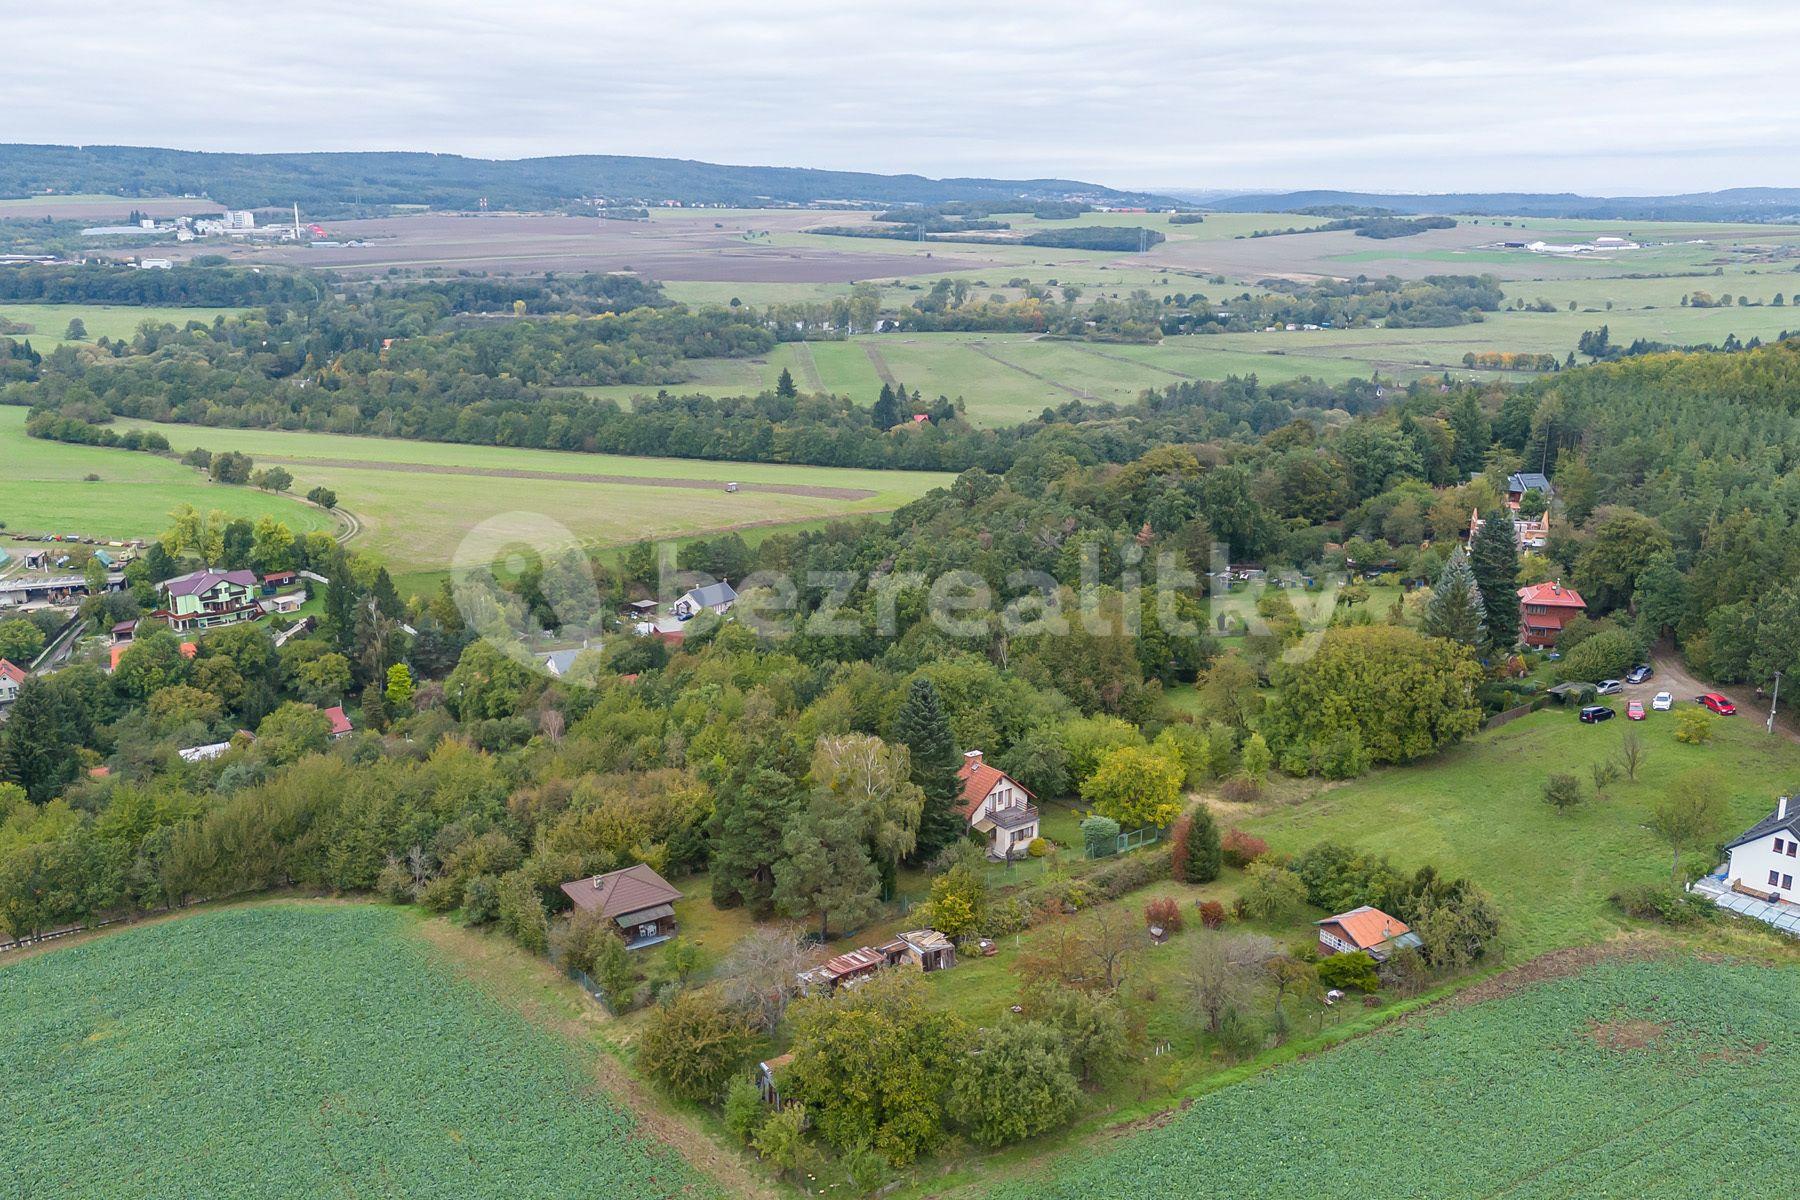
711	594
1770	824
1525	481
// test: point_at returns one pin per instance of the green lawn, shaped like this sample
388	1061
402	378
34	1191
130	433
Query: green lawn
283	1050
1477	810
416	518
48	322
45	489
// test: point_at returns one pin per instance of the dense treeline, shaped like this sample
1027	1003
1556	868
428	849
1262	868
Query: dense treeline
337	182
205	286
1435	301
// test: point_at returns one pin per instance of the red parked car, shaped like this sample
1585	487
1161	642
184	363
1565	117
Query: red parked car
1717	703
1635	710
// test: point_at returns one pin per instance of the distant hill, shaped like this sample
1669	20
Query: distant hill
330	180
1735	204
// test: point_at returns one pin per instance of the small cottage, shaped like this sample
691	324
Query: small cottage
998	806
639	903
1367	929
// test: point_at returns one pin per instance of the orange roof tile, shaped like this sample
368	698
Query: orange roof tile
978	779
1552	594
1367	927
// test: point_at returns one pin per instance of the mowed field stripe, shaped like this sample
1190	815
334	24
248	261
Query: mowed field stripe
708	485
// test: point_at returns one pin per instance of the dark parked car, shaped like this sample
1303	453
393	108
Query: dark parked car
1596	712
1639	673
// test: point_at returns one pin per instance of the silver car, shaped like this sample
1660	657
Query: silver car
1609	687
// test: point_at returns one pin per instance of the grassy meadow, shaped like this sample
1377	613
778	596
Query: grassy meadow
48	322
281	1050
414	502
45	489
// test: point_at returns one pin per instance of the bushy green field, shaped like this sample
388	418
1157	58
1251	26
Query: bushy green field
291	1050
415	501
1634	1080
44	488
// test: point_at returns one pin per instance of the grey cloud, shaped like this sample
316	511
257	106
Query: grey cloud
1523	95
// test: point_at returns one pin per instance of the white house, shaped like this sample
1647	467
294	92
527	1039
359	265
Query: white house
1765	859
12	678
996	804
719	597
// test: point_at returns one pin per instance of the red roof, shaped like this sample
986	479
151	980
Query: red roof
978	779
1553	594
1366	928
12	671
339	722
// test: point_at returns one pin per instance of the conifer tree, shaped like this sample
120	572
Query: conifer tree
1494	562
924	728
1456	611
784	386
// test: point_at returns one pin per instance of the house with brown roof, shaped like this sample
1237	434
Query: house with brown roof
997	805
639	903
207	598
1367	929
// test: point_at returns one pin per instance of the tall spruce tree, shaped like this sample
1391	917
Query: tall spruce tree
784	386
1494	560
748	820
886	413
924	728
1456	611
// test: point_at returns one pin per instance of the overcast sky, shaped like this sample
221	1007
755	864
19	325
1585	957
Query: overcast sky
1448	96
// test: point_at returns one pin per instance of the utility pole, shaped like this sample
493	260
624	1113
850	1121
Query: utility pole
1773	700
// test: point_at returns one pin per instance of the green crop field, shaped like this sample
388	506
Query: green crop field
1478	810
288	1050
44	489
1633	1079
414	502
48	322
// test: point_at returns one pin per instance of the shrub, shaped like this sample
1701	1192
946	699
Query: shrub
1694	726
1212	914
1128	874
481	899
1562	791
1271	891
694	1046
1038	848
1164	913
744	1109
1100	836
521	912
1667	905
1354	970
1240	849
440	895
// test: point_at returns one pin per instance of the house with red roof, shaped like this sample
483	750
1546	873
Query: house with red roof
12	678
1367	929
639	903
997	805
340	724
1544	608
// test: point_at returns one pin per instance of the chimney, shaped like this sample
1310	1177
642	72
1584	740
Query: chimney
1781	808
972	758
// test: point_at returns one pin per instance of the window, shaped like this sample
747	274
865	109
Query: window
1787	881
1790	849
1774	878
1778	845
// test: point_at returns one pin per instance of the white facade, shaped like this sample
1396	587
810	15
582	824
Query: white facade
1770	862
1004	812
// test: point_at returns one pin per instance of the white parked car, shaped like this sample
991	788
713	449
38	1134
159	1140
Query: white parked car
1663	702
